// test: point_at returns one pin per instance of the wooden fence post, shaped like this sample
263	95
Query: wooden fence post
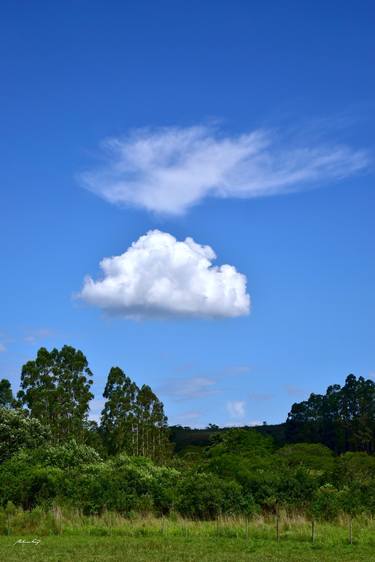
313	531
277	524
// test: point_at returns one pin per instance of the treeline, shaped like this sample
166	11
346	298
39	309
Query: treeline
54	397
185	438
343	418
52	454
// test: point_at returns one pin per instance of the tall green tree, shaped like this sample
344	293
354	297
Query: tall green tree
133	419
6	394
118	419
343	418
55	388
152	425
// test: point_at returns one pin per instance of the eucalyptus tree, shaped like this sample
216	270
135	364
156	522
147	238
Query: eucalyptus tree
343	418
118	418
133	418
55	388
6	394
152	423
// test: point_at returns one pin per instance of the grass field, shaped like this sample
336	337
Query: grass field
69	536
86	548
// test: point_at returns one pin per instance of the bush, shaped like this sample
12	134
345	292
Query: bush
19	431
28	485
123	484
205	496
68	455
37	476
313	456
326	503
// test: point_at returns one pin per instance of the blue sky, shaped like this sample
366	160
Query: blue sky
296	219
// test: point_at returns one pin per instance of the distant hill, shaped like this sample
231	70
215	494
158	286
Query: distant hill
186	437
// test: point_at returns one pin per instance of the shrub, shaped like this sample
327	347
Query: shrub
69	455
19	431
205	496
28	485
326	503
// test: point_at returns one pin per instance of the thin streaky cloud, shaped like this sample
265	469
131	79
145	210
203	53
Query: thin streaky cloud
168	170
38	334
236	370
189	387
261	397
294	391
186	418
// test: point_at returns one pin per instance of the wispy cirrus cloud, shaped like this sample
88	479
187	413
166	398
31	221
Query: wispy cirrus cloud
236	370
294	391
189	418
189	387
167	170
261	396
35	335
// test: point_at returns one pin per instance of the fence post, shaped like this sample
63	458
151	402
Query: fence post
313	531
351	530
277	525
247	528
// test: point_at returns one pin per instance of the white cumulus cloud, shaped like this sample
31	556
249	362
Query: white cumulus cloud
236	408
168	170
158	276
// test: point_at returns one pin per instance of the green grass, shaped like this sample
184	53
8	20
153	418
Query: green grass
69	536
86	548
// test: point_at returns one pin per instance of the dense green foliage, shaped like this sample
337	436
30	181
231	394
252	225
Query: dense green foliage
226	480
343	418
55	388
18	431
6	394
51	454
133	418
